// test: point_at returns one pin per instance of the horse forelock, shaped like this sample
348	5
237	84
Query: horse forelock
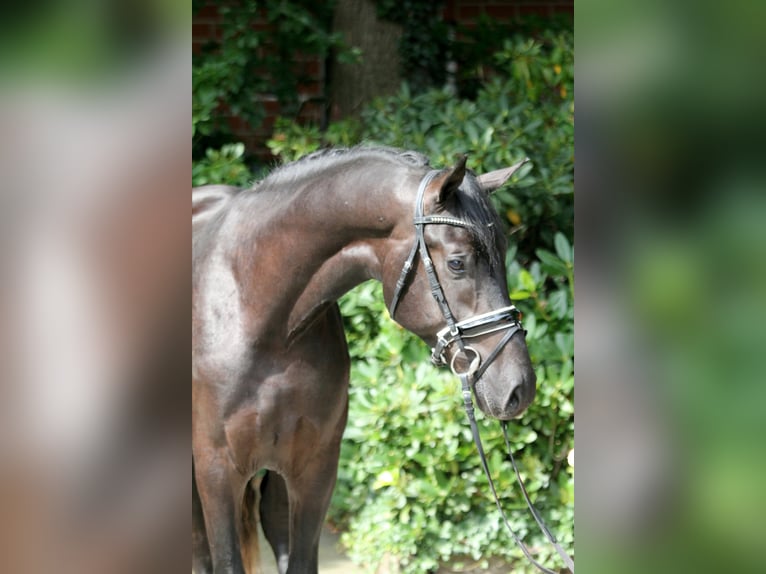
473	205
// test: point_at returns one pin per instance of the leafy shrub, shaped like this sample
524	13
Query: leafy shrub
526	110
291	141
224	166
410	484
478	44
249	60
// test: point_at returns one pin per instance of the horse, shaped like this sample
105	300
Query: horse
270	364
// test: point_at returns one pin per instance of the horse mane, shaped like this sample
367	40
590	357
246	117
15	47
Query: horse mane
471	204
323	159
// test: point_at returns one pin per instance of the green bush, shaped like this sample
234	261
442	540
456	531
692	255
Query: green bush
410	484
291	141
526	110
250	59
224	166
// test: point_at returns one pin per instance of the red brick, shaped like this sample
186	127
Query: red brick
310	89
202	30
270	106
312	68
208	11
238	125
501	11
312	112
469	13
260	26
539	10
448	12
563	8
266	127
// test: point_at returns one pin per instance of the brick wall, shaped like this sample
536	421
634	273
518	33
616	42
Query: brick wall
464	11
205	27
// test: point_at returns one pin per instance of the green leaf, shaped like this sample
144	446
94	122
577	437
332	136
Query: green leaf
563	249
558	303
487	137
565	343
527	281
472	133
386	478
550	263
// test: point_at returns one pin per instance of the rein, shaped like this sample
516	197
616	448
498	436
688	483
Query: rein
506	318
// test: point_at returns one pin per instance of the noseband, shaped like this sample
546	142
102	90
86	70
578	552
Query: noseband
504	319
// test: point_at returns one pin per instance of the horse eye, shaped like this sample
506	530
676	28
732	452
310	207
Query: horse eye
456	265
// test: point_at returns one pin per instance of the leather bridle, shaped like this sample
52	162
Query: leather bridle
506	319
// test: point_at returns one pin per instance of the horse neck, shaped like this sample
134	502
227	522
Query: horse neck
333	233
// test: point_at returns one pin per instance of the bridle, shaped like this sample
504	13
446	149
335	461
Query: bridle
506	319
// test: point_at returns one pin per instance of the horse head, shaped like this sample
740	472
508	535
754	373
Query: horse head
452	290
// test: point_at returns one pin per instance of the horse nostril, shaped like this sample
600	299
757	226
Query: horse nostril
514	400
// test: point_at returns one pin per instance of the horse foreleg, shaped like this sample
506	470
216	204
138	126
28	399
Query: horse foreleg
202	562
221	492
275	517
310	493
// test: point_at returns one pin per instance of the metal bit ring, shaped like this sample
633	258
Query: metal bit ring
473	364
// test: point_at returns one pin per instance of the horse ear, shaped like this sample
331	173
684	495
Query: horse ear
450	181
489	182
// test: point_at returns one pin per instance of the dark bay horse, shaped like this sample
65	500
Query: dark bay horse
269	358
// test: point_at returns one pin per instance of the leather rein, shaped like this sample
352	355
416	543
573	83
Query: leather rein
506	319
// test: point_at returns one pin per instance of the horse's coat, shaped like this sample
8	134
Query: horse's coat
269	359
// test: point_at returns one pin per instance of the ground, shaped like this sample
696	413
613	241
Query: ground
331	560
